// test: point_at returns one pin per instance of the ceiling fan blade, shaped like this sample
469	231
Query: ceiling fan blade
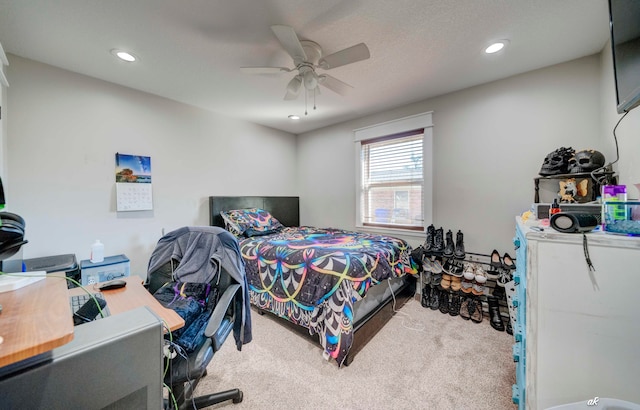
349	55
334	84
289	40
264	70
293	88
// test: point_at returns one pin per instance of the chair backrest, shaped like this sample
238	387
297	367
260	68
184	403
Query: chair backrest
204	254
163	274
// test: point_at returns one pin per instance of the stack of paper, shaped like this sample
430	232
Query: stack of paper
13	281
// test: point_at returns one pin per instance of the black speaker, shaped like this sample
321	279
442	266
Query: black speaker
12	228
569	222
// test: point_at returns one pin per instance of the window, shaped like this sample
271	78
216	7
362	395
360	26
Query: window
394	174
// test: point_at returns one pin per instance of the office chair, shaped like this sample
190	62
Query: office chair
189	366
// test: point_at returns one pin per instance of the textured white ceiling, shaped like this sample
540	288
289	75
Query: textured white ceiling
190	51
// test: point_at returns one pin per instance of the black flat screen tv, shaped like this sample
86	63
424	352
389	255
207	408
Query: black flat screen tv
624	24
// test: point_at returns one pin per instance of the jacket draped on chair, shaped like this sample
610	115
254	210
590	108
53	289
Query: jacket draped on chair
201	251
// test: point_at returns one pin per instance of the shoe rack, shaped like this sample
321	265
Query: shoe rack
491	286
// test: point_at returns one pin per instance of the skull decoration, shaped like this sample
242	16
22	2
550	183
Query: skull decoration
586	161
557	162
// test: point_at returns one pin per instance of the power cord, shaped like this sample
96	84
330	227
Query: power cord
178	350
183	354
413	324
171	396
603	169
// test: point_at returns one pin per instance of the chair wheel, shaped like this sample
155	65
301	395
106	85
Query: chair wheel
238	399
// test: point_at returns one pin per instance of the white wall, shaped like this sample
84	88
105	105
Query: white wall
3	125
489	144
64	130
628	132
3	132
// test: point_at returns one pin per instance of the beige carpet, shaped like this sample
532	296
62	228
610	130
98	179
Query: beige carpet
421	359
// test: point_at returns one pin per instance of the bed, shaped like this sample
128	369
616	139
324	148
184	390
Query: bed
338	287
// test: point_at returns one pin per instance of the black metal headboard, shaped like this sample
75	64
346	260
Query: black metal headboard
285	209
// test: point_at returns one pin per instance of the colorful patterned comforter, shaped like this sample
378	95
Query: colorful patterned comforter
312	277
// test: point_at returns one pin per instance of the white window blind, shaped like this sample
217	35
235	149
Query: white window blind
392	191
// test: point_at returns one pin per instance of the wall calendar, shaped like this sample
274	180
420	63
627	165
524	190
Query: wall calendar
133	183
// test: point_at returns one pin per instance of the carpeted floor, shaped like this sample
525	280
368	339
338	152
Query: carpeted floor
421	359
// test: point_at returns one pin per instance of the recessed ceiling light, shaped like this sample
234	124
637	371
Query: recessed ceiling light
124	55
294	117
497	46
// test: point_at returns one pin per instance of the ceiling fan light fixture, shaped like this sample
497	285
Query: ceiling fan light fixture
294	84
293	88
294	117
124	55
310	80
496	46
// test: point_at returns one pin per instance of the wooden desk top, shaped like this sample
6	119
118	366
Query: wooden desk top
133	296
35	319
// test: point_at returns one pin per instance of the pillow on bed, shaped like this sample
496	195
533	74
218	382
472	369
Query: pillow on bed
250	222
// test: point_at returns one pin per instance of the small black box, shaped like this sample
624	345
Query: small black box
541	210
58	263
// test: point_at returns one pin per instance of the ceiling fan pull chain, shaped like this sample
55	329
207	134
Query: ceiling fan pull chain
305	101
314	98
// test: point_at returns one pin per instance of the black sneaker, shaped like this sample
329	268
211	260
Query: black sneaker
454	305
459	252
494	313
444	301
476	314
449	248
424	300
434	299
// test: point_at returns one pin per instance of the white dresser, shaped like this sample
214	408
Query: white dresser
582	328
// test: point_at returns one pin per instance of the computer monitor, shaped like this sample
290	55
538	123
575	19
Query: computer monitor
112	363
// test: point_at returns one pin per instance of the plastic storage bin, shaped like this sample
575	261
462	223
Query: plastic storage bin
621	217
112	267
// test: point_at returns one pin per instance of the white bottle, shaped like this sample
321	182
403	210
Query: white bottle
97	252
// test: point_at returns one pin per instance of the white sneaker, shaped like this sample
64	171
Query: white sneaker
469	272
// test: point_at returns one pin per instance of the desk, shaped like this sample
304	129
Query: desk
37	318
132	296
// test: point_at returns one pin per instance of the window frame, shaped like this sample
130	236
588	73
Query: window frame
394	127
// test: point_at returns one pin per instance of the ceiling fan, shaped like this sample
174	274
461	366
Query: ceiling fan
307	58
